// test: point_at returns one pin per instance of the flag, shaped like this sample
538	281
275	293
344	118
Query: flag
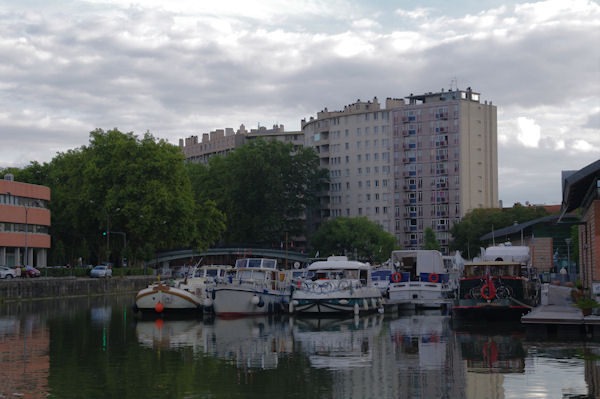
292	244
281	245
317	254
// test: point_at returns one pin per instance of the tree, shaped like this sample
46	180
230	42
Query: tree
344	236
135	186
263	187
466	233
431	241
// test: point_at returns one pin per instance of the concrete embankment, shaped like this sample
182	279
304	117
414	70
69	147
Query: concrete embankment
41	288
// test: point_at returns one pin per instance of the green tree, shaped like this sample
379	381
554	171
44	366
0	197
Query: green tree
431	241
344	236
138	187
263	187
466	233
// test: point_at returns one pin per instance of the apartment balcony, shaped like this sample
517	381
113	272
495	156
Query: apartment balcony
442	143
441	157
442	227
441	200
441	115
441	171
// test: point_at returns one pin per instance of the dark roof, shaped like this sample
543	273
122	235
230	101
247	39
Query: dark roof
576	185
515	228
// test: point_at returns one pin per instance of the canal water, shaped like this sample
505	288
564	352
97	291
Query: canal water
98	348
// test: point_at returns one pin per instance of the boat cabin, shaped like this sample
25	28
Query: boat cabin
493	268
340	268
420	265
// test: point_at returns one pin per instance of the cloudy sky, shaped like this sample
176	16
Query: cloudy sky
179	68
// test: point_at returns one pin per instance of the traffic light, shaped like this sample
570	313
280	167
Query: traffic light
104	233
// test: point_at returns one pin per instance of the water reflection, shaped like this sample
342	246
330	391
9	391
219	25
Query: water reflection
253	342
96	347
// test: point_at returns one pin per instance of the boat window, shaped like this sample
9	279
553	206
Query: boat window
254	262
240	263
352	274
258	275
363	277
211	273
199	273
244	274
270	263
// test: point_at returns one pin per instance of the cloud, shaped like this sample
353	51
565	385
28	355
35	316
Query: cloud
529	132
178	68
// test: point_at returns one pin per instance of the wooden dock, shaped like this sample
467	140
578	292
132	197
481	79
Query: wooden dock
558	316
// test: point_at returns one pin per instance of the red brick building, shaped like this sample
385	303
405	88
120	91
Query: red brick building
581	190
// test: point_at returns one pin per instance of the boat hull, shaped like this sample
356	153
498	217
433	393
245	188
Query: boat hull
419	295
236	301
477	309
161	298
360	301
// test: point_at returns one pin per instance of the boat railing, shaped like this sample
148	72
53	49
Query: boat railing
326	286
256	284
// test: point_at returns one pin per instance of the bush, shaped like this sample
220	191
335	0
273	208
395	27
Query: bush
586	303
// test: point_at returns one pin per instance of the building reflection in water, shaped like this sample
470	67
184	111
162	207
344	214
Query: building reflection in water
24	357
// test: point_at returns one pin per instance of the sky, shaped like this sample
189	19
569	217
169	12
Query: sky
180	68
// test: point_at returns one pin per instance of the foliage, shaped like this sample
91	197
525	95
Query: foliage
430	241
137	188
343	236
586	303
263	187
480	221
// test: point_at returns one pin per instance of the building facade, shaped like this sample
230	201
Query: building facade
414	164
222	141
24	223
581	190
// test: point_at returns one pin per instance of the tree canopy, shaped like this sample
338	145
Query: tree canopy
345	236
430	241
478	222
263	187
137	188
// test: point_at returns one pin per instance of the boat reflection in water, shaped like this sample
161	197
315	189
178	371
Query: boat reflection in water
338	344
426	356
248	343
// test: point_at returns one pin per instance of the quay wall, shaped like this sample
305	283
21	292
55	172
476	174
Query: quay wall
41	288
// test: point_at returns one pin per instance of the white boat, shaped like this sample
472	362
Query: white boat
182	295
422	278
257	287
338	286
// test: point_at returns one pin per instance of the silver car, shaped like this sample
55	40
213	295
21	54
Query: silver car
101	271
7	272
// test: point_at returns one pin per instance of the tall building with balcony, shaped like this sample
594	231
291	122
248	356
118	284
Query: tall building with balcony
24	223
423	162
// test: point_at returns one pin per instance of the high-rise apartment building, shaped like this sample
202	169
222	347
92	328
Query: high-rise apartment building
414	164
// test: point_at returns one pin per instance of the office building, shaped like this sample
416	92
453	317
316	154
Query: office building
24	223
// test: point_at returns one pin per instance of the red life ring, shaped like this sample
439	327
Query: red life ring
396	277
484	294
434	277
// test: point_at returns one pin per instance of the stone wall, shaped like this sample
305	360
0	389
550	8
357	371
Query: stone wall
39	288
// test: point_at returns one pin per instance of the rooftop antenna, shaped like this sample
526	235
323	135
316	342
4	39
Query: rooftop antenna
453	84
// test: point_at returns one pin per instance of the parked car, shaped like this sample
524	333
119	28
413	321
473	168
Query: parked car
30	272
7	272
101	271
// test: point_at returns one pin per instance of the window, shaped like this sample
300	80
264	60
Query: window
347	145
358	131
346	132
360	211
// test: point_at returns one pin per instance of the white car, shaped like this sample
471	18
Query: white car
101	271
7	272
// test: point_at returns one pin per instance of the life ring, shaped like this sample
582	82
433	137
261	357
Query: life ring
396	277
486	295
434	277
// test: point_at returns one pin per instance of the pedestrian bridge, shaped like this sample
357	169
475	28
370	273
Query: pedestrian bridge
218	255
